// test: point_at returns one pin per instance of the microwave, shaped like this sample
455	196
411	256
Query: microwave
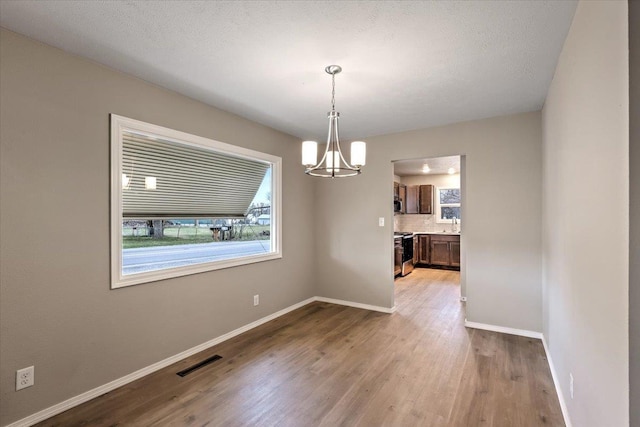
397	206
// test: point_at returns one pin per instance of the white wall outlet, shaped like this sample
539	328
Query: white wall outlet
463	299
24	378
256	300
381	221
571	384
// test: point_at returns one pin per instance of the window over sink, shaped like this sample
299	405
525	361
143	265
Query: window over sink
448	204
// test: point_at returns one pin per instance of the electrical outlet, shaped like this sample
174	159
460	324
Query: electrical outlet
571	384
381	221
256	300
24	378
463	299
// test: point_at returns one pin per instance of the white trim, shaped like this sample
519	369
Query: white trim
438	205
105	388
556	383
503	329
357	305
119	124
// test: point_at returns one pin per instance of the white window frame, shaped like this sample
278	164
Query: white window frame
120	124
439	218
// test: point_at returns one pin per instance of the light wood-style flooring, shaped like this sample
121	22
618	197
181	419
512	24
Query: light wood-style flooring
329	365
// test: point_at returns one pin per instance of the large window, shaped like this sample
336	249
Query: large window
183	204
448	204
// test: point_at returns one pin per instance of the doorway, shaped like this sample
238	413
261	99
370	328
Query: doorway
429	203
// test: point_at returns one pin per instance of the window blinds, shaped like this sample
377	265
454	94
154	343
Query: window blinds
190	182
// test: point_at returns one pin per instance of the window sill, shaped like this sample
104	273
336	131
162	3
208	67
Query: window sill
154	276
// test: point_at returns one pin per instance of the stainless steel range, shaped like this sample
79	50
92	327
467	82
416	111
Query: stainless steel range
406	257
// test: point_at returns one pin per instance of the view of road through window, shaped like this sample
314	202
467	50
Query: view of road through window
137	260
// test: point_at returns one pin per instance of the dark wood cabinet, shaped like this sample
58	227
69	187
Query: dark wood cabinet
425	199
413	199
437	250
440	253
402	192
445	250
454	247
416	199
423	249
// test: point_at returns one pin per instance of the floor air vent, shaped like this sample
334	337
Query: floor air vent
199	365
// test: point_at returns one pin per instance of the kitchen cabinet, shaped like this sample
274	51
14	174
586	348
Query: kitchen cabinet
403	197
418	199
413	199
400	194
444	250
455	253
425	204
440	253
423	248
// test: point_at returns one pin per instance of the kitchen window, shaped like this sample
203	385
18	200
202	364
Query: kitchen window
447	204
183	204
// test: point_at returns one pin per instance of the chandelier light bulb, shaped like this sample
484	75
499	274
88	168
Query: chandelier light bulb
358	153
309	153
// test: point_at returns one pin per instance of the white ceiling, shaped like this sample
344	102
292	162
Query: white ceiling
437	166
407	65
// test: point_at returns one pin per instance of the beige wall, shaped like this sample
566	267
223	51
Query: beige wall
57	312
586	184
634	220
501	247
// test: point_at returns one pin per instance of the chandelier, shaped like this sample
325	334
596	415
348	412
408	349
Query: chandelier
333	163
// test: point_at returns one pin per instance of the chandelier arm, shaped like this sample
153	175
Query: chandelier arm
331	145
347	165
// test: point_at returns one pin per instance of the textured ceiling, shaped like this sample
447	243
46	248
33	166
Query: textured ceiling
437	166
407	65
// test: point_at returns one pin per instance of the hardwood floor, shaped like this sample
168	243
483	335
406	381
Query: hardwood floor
329	365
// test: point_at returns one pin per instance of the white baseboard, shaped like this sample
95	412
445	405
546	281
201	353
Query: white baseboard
98	391
357	305
556	382
503	330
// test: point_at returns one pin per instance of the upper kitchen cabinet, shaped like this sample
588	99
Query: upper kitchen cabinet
400	195
425	199
413	199
419	199
403	198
